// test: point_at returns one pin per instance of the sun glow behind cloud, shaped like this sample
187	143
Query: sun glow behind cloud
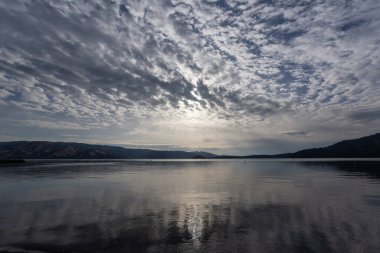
228	76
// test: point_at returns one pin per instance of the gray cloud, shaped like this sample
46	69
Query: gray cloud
270	65
366	116
296	133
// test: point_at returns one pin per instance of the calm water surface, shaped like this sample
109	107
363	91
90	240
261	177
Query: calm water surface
191	206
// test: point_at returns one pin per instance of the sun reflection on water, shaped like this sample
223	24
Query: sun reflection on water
195	222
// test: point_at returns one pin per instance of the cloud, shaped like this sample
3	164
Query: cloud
365	116
272	65
53	125
295	133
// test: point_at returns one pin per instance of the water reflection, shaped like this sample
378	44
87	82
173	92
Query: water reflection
370	169
204	206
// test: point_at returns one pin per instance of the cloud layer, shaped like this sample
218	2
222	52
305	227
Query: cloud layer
180	72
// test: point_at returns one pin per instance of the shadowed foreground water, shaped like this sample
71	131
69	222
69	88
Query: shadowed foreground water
191	206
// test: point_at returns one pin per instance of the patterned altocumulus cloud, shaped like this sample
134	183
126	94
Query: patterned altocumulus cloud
224	76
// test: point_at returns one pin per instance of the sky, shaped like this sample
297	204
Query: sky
229	77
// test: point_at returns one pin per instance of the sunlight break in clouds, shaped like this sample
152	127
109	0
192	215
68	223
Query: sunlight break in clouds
223	76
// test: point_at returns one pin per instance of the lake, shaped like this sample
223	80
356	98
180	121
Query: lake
191	206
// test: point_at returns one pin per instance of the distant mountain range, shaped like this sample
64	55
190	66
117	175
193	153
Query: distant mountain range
366	147
71	150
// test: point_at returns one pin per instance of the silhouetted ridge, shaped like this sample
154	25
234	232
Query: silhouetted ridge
365	147
70	150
